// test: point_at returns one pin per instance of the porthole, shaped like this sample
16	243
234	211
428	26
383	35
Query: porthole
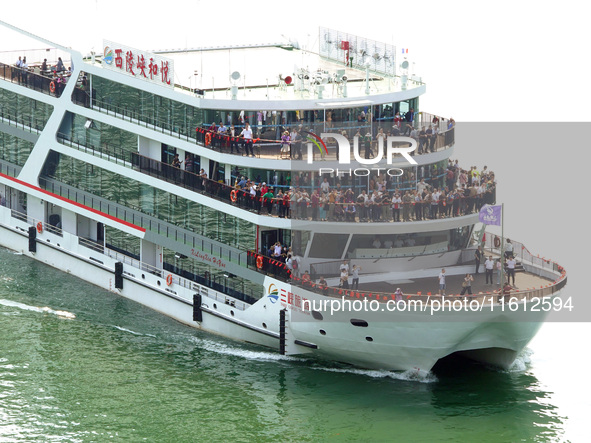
232	313
144	276
215	306
317	315
158	282
322	332
369	338
265	325
359	322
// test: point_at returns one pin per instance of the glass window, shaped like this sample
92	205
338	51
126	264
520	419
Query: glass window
328	245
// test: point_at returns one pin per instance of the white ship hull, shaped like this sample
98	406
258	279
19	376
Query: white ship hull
408	341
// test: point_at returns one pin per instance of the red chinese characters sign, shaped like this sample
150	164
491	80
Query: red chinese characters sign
139	64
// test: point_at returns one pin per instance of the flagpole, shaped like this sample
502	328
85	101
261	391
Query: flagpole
502	245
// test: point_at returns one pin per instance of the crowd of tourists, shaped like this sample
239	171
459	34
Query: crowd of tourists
462	192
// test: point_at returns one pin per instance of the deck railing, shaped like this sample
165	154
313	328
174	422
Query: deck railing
344	211
268	135
517	295
235	299
32	80
148	222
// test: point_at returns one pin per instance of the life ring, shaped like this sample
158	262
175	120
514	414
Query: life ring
233	196
208	139
260	261
169	279
52	86
39	227
497	242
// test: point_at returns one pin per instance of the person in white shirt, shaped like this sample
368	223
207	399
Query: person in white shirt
511	269
421	186
247	143
344	279
377	243
344	266
508	249
388	244
435	203
396	205
489	265
441	278
325	186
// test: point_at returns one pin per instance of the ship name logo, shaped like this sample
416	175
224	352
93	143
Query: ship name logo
108	55
273	293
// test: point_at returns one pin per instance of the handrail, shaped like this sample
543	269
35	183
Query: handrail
444	140
520	295
526	294
149	222
267	265
141	266
31	80
11	120
451	206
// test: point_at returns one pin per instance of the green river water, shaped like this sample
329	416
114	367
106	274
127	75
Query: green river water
78	363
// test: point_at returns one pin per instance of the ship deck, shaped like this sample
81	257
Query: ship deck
523	281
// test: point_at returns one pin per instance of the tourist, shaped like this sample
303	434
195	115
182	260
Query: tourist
477	258
489	265
355	275
268	199
467	284
285	145
511	269
344	266
505	292
233	144
188	163
441	278
508	248
344	282
306	277
247	139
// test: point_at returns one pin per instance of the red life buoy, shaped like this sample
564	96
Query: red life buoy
52	86
169	279
39	227
497	242
233	196
260	262
208	139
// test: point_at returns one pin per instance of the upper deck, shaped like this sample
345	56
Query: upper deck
240	78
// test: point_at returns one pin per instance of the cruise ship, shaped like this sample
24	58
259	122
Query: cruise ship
300	199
